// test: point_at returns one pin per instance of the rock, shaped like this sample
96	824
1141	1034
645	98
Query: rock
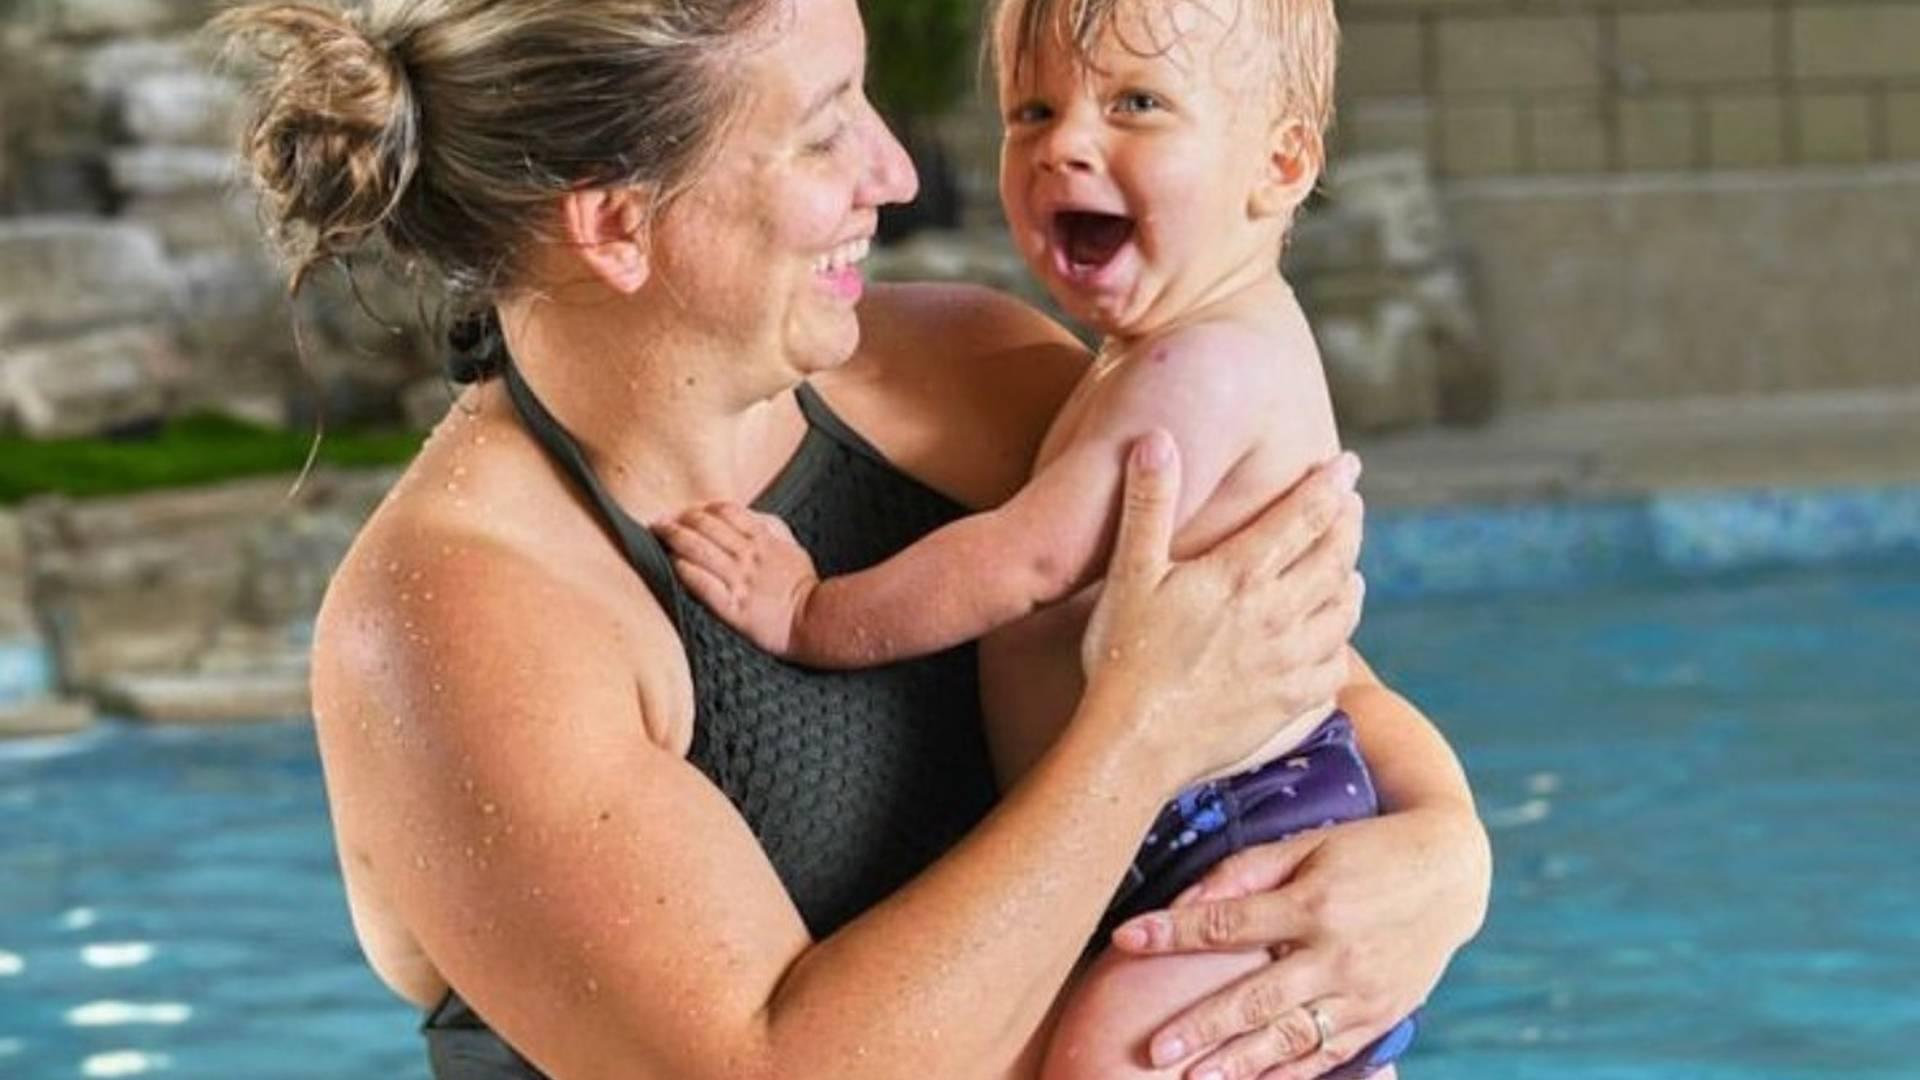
202	222
182	108
1335	241
61	275
1468	379
1380	368
108	18
90	385
237	339
106	71
172	170
207	698
186	581
17	623
1397	191
426	402
44	716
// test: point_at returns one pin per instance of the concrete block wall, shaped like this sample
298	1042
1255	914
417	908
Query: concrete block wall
1555	87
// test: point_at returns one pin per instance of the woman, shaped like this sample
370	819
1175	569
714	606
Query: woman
566	799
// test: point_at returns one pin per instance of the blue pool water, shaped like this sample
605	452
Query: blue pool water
1702	796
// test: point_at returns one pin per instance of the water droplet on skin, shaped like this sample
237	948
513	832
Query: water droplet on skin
470	854
489	808
419	862
438	687
459	470
467	785
1113	654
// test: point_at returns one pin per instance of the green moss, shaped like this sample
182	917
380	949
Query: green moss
186	452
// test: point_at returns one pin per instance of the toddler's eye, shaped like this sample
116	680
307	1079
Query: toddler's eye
1138	101
1030	112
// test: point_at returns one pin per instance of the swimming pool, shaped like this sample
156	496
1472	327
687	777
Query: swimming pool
1702	798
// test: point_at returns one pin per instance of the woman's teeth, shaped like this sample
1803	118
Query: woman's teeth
842	257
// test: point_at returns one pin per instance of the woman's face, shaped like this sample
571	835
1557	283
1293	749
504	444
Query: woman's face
764	250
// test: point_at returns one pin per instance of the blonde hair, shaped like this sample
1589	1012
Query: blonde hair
1304	36
443	131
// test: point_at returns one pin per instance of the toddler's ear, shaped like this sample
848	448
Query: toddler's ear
1292	167
607	228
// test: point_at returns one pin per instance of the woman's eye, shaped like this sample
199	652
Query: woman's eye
829	144
1138	101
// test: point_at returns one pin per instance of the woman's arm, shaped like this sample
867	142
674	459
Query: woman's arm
1368	913
605	907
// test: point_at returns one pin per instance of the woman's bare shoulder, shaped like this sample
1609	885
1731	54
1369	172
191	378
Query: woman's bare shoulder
481	558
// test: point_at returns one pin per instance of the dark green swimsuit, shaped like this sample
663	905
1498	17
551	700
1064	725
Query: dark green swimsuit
852	781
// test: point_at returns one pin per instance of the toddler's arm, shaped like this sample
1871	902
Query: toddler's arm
988	569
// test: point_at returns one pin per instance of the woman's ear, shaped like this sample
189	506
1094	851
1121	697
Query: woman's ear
1295	154
607	229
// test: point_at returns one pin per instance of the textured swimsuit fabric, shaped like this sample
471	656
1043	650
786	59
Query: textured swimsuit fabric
853	782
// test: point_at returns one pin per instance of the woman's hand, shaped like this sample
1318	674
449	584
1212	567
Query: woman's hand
1362	919
1210	651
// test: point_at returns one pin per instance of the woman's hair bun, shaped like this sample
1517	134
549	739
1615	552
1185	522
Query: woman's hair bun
333	141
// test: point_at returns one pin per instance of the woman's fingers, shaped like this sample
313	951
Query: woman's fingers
1300	1035
1319	574
1292	524
1253	1004
1141	548
1207	925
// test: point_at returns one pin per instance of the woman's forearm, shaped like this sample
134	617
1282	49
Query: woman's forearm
1411	763
954	973
1418	775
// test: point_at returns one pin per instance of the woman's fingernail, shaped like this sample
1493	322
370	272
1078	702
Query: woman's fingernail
1144	932
1346	471
1167	1051
1153	451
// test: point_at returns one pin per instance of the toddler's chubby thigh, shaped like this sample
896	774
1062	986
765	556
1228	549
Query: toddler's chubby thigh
1121	1000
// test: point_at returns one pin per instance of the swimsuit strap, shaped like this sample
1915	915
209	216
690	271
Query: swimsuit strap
643	550
823	419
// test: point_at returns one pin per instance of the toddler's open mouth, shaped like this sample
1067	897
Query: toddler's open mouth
1089	240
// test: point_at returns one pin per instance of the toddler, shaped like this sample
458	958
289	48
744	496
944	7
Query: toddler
1155	154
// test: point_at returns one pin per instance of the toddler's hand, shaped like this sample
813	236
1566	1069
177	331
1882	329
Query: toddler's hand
747	567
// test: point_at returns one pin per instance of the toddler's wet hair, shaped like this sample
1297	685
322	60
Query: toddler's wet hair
1303	35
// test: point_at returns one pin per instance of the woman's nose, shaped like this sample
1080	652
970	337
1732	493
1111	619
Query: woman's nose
890	176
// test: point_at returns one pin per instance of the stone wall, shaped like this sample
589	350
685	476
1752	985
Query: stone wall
1644	288
133	281
190	606
1663	199
1532	87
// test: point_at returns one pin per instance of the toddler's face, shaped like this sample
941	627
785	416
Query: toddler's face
1126	177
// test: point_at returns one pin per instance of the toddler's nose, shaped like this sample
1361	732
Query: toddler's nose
1070	147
